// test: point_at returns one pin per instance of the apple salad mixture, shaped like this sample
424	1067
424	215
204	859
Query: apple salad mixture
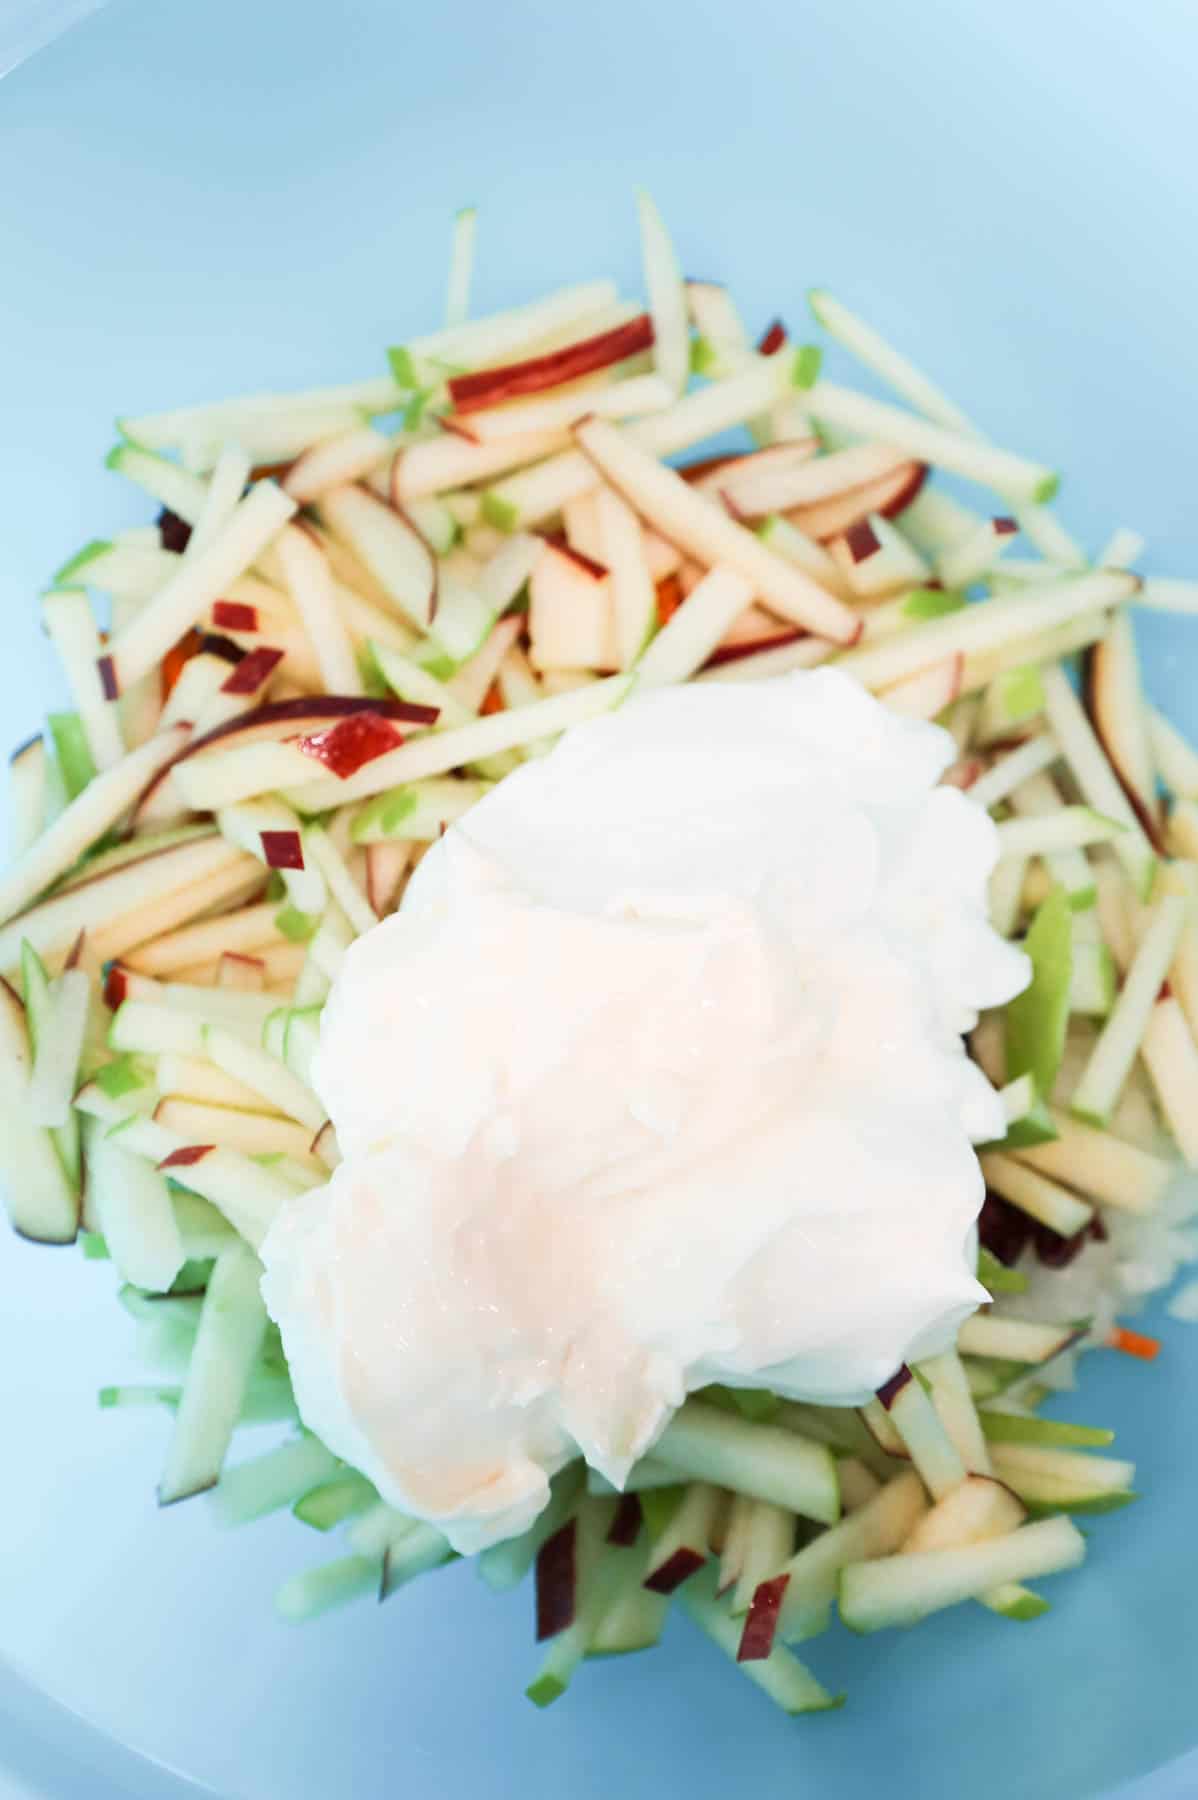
608	940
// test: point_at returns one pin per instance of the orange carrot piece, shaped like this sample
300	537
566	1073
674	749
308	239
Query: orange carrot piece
1134	1343
669	599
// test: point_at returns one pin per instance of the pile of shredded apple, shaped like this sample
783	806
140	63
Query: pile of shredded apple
655	1080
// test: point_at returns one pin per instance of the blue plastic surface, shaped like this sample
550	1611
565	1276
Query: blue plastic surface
203	199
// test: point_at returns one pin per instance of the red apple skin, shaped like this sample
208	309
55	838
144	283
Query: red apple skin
1003	1230
705	465
862	541
890	1390
772	339
282	849
314	709
1055	1251
1098	678
350	744
174	532
674	1571
116	987
186	1156
757	1638
625	1527
213	643
234	615
253	671
489	387
557	1581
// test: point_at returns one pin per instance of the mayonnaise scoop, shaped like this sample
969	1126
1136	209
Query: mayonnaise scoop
655	1080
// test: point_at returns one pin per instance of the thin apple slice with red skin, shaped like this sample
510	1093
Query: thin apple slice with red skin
1115	700
876	1419
279	720
888	495
352	456
386	866
590	565
761	1622
714	315
613	393
456	427
571	618
785	476
557	1581
754	630
979	1508
707	534
703	467
730	653
685	1543
738	480
511	381
244	974
754	626
253	671
876	560
633	594
324	1146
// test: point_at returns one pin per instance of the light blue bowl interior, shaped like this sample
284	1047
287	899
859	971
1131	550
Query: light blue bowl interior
207	199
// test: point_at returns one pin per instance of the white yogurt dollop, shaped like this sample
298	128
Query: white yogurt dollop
655	1080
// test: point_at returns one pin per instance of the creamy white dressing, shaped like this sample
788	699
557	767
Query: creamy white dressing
655	1080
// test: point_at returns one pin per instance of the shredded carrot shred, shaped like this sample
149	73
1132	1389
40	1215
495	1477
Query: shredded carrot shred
1134	1343
493	702
176	656
669	599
